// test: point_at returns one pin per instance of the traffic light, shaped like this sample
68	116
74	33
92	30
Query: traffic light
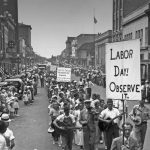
11	44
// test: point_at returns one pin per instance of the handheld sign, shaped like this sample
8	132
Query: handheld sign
63	74
123	70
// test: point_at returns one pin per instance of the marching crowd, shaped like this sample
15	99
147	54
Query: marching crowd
80	116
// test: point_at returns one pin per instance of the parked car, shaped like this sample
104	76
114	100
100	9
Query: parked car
18	84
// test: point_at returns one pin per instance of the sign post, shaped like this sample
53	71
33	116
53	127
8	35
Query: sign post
123	81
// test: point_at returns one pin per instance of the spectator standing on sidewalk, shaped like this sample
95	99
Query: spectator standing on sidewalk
8	134
2	138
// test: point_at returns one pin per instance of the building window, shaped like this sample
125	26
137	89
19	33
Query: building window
142	56
148	56
146	36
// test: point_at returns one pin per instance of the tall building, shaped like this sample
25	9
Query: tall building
25	33
100	49
11	7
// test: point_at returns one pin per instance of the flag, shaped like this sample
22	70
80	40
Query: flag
95	20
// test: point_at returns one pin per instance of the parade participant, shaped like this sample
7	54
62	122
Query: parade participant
78	133
129	142
3	128
9	136
98	138
139	115
42	80
67	121
111	128
87	118
88	87
54	113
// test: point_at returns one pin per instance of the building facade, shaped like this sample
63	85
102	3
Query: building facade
100	49
135	26
7	36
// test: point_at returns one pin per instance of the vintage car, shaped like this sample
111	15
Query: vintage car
18	83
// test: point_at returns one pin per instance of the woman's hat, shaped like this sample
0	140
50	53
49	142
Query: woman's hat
5	118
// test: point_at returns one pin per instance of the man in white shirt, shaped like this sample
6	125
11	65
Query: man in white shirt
112	129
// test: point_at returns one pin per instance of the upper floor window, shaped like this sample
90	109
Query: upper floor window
142	56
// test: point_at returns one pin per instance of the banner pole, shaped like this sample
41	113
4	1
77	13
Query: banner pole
123	120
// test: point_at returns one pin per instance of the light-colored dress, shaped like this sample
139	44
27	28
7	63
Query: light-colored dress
78	133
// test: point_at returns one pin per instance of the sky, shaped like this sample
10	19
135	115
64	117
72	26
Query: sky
52	21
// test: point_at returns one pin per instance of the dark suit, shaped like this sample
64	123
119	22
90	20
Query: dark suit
118	142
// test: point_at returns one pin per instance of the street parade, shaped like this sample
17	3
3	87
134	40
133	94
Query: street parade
94	94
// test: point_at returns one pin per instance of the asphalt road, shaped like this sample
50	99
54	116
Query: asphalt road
30	128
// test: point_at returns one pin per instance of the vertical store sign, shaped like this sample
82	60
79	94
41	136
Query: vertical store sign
123	70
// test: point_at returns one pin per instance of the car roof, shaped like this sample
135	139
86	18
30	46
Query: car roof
15	79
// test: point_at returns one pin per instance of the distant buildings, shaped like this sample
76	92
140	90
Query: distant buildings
15	38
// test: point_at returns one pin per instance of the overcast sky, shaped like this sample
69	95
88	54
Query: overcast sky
53	21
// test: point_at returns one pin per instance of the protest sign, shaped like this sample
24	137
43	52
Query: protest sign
123	70
63	74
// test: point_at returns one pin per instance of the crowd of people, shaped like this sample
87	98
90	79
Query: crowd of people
80	116
9	104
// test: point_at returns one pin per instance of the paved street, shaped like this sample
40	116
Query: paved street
30	129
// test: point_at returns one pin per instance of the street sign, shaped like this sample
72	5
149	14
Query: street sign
63	74
123	70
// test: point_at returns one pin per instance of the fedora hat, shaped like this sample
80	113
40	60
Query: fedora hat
5	118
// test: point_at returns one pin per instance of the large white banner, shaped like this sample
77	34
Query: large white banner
63	74
123	70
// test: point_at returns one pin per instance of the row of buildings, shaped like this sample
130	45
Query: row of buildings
131	20
15	39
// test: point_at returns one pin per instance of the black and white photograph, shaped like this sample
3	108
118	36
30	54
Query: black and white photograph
74	74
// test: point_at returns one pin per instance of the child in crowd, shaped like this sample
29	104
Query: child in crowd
25	98
16	106
11	109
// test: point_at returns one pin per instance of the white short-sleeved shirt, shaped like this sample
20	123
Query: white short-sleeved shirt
3	143
62	116
106	113
9	134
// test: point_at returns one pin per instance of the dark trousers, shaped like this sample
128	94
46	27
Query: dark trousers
42	82
67	140
89	92
111	133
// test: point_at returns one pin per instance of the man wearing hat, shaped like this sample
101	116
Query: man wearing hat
88	123
8	134
140	113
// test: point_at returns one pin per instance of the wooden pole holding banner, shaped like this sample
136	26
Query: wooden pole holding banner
123	120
